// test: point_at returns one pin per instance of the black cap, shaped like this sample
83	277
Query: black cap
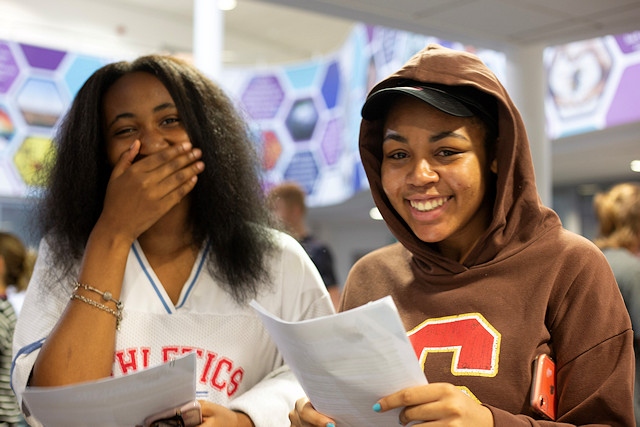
459	101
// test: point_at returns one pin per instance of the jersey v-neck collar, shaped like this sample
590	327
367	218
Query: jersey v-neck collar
157	286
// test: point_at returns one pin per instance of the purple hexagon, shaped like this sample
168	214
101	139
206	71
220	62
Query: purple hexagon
303	169
389	43
624	105
331	144
8	68
262	97
40	57
629	42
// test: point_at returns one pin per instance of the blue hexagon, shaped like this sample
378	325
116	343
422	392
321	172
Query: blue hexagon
302	119
331	85
303	76
79	71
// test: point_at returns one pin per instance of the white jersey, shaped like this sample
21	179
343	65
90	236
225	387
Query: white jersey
238	365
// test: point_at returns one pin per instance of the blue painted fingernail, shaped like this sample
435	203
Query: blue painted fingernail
377	407
331	425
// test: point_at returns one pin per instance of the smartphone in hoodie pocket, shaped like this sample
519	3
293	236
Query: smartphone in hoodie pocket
543	387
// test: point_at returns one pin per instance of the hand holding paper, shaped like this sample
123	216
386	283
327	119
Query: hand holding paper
346	362
122	401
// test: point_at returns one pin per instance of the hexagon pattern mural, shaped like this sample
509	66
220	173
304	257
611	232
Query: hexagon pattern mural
305	117
308	114
593	84
36	87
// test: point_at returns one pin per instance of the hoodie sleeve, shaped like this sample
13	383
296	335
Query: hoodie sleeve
593	344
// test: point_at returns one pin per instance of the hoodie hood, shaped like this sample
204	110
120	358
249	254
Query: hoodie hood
519	217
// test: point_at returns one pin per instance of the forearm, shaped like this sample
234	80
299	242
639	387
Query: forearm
80	346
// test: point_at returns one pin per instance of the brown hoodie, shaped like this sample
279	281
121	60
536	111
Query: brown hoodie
527	287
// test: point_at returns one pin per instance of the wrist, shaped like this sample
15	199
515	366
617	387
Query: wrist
110	237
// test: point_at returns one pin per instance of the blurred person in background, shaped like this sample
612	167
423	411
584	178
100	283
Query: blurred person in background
618	213
16	264
288	202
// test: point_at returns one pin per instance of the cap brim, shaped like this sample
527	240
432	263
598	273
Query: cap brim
377	103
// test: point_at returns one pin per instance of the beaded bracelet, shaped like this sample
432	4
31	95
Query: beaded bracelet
106	296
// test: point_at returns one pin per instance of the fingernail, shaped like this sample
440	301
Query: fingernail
331	425
377	407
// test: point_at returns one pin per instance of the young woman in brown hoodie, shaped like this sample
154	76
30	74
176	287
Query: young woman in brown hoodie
483	274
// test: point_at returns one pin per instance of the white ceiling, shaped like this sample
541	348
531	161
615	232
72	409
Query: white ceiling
490	22
276	31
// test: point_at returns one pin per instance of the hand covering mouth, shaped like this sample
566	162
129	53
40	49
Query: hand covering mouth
428	205
138	157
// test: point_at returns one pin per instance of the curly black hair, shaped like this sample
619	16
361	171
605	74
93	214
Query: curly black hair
227	204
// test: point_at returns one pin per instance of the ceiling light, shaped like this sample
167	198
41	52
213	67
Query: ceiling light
374	213
635	165
227	4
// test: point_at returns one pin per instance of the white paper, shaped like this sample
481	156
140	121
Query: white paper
123	401
347	361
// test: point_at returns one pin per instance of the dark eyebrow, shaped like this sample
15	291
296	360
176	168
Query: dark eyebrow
447	134
434	138
394	136
164	106
156	109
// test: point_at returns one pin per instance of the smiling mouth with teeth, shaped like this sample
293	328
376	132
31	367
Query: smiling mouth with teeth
428	205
